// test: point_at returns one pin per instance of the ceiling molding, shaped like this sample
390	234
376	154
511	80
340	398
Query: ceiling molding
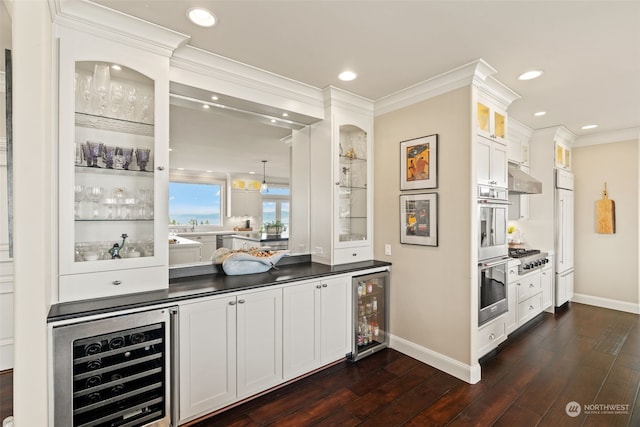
498	92
336	97
474	73
196	67
110	24
631	134
518	128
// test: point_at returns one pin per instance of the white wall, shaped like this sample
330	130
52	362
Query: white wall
431	287
606	265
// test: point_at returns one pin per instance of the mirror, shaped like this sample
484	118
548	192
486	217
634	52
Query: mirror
224	142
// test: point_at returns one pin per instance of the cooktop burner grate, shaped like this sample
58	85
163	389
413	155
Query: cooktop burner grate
521	253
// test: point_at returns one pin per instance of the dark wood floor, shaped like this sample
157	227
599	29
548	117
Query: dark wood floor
585	354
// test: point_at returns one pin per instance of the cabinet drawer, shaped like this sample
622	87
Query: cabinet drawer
528	286
529	308
347	255
103	284
490	335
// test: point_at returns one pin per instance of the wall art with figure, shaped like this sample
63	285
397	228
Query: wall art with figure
419	219
419	163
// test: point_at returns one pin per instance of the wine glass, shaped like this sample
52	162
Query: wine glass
101	84
142	157
116	97
95	151
131	97
108	154
83	92
126	153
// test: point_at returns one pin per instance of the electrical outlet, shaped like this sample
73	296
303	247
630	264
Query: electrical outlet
387	249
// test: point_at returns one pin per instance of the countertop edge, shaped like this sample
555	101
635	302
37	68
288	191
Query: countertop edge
67	311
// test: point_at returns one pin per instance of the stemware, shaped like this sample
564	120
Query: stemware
142	157
127	153
131	97
83	92
86	151
116	97
95	150
108	154
101	84
146	108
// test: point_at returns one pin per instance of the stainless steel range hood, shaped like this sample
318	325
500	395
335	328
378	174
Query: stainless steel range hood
522	183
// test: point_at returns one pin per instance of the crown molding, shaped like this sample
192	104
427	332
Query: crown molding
474	73
498	92
631	134
518	128
110	24
196	67
554	133
336	97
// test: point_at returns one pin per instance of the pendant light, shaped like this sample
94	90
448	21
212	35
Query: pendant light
264	186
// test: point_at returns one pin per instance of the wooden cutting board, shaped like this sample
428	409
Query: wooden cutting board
605	214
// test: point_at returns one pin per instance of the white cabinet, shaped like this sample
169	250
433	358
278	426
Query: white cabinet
316	324
546	283
491	334
246	203
207	355
511	321
184	254
113	158
491	162
564	287
208	244
341	202
563	155
230	348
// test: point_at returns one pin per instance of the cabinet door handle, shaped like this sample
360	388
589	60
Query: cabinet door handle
530	307
492	336
337	182
160	168
512	272
518	284
240	301
531	285
117	282
324	285
318	286
232	303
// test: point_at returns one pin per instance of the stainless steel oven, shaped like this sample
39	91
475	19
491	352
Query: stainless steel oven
492	289
492	222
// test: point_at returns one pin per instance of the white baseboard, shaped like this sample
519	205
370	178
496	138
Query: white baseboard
467	373
612	304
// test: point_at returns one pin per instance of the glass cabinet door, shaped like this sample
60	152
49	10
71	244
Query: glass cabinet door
114	163
352	200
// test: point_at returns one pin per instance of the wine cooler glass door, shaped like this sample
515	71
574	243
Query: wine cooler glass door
113	371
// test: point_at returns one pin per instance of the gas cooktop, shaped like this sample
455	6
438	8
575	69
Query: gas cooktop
530	259
522	253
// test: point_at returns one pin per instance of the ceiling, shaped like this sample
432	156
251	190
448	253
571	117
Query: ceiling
589	50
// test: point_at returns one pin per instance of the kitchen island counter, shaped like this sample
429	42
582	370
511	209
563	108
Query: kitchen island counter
217	283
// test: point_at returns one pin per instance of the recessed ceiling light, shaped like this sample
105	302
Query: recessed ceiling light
180	169
587	127
529	75
347	76
285	114
252	172
214	98
206	106
116	67
201	16
273	120
208	171
170	149
540	113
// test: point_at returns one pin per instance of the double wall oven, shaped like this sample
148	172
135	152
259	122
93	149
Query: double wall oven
493	250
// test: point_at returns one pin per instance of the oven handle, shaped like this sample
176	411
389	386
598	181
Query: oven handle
494	263
493	202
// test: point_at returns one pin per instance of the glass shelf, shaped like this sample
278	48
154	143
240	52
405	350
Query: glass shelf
93	121
108	171
113	219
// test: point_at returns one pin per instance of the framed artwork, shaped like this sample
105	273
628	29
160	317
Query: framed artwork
419	219
419	163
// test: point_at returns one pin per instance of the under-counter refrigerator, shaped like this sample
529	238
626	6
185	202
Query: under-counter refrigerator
564	236
370	314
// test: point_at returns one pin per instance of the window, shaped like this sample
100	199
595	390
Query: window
201	202
275	206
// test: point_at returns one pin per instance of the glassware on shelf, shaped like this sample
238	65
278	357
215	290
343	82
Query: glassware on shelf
101	86
131	96
146	107
95	151
108	154
116	99
86	151
127	154
142	158
83	92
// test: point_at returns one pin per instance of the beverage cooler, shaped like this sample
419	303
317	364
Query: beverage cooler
114	371
370	314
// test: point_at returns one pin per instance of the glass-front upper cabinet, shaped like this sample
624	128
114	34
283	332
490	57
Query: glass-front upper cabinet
113	171
352	189
492	122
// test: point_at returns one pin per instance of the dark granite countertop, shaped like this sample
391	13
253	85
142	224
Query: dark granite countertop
184	288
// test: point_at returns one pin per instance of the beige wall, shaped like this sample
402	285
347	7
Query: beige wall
431	286
606	265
